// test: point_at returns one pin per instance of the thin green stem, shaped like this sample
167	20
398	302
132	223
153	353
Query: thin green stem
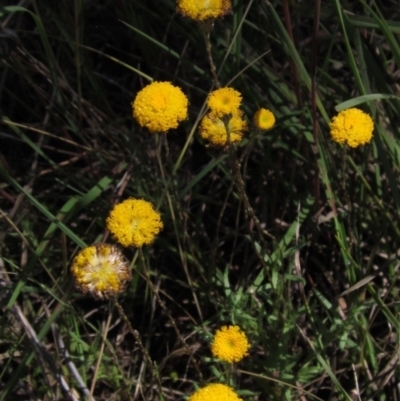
97	367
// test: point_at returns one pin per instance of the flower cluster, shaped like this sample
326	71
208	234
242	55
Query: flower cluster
101	270
224	124
352	127
134	222
230	344
201	10
160	107
215	392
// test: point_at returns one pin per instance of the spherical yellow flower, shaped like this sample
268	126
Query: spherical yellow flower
215	392
134	222
101	270
352	126
160	107
213	129
201	10
224	101
264	119
230	344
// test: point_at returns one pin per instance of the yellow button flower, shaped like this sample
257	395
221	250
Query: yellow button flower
215	392
230	344
201	10
352	127
213	129
264	119
224	101
134	222
102	270
160	107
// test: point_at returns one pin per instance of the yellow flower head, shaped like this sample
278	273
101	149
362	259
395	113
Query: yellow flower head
230	344
215	392
101	269
160	107
264	119
352	126
212	128
224	101
201	10
134	222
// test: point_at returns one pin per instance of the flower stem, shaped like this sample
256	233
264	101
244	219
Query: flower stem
172	198
206	28
97	367
248	209
142	348
188	350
